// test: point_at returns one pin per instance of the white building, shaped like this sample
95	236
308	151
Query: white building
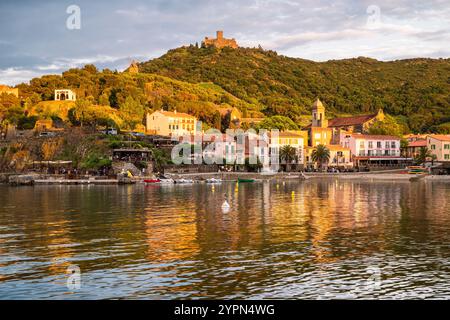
65	94
373	149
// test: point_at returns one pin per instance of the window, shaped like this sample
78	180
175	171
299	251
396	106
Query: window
370	144
379	144
361	144
446	146
447	156
387	144
393	145
386	152
433	147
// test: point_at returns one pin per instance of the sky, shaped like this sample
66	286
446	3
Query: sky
49	36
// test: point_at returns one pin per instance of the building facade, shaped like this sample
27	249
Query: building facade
321	134
373	150
170	123
65	94
439	145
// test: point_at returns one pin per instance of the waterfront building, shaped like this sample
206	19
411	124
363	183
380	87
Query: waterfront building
414	146
9	90
170	123
340	157
295	139
321	134
439	145
65	94
373	150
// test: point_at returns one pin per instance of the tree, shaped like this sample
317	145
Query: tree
132	113
388	126
288	154
277	122
160	159
424	154
320	155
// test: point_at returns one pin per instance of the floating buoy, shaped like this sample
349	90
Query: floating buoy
225	207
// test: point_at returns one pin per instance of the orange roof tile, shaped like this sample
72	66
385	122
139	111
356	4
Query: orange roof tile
418	143
440	137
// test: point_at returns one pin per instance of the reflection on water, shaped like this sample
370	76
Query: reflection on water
314	239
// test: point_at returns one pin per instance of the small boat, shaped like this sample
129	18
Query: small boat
213	180
152	180
240	180
417	170
184	181
166	181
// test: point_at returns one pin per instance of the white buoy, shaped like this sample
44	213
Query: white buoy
225	206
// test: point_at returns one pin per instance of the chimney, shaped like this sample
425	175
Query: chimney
219	35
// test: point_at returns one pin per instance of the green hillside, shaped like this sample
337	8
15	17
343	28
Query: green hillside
131	95
416	91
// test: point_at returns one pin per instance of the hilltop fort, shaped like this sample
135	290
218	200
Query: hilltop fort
220	41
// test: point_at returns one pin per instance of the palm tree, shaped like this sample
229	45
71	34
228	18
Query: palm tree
320	155
424	154
289	154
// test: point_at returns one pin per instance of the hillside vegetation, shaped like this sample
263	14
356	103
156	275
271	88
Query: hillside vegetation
415	91
119	98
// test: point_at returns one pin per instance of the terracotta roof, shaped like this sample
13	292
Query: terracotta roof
374	137
440	137
176	114
418	143
350	121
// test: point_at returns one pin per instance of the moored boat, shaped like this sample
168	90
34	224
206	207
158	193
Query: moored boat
417	170
241	180
213	180
184	181
152	180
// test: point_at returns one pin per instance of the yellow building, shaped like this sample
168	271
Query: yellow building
171	123
439	145
340	157
321	134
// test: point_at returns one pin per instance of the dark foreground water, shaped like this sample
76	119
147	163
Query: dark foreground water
314	239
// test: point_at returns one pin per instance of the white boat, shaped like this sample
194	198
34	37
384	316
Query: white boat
184	181
166	181
213	180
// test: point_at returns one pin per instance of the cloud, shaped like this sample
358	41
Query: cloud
34	37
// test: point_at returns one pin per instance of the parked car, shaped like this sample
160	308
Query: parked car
112	132
137	134
47	134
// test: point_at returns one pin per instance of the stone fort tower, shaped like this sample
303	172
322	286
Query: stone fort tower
220	41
